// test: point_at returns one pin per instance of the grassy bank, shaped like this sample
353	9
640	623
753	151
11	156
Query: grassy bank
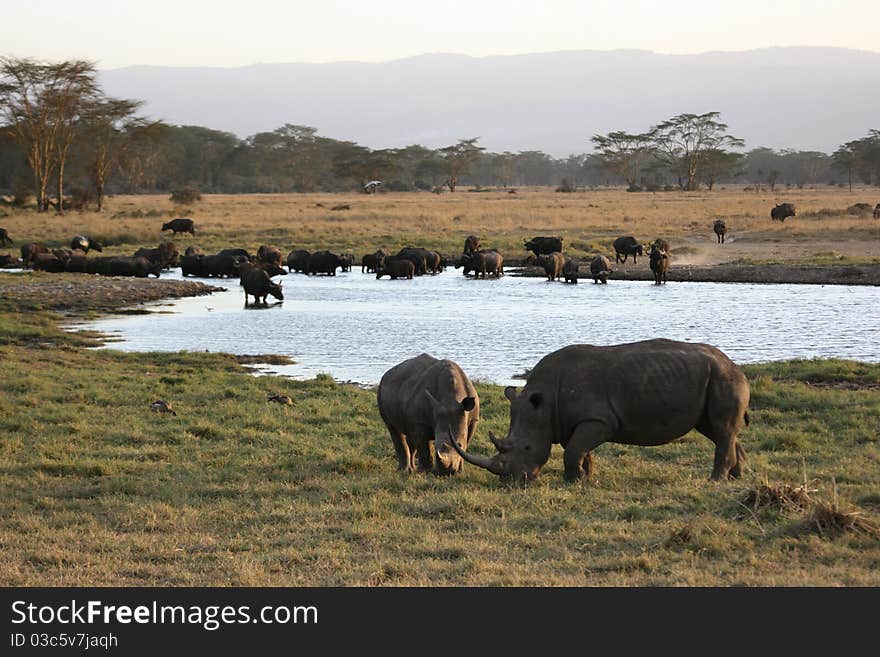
824	231
97	489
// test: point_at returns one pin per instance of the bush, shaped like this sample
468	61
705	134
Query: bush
860	209
634	188
423	185
185	196
397	186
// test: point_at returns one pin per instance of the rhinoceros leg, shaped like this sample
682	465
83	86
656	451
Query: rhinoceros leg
401	448
423	449
577	458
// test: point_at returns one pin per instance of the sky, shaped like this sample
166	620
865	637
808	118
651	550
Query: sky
222	33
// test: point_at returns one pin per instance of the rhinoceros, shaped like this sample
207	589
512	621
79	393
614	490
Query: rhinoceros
424	399
643	393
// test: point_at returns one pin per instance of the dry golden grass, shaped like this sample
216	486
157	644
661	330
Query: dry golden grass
823	231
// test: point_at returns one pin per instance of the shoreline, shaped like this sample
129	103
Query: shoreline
729	273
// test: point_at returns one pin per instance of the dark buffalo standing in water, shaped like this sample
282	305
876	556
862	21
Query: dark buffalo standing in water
395	267
471	245
660	244
193	250
84	244
371	262
418	256
256	283
659	263
192	265
643	393
5	240
30	251
347	260
124	266
627	246
241	254
543	245
182	225
487	263
570	270
221	265
298	261
781	211
427	405
269	254
720	228
324	262
552	264
600	269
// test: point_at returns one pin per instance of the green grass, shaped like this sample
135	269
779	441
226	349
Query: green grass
96	489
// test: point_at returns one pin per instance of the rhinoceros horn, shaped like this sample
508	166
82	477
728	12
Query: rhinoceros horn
499	443
480	461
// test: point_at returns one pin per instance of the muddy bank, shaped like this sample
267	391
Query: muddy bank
816	274
78	293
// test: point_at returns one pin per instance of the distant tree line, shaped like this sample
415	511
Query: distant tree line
62	138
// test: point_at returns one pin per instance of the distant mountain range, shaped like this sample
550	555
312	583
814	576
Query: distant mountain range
805	98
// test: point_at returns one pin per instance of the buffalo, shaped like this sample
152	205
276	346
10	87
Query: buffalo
543	245
643	393
30	251
471	245
241	254
781	211
256	283
552	264
165	254
428	405
83	243
269	254
395	267
659	265
720	228
182	225
600	269
192	265
485	264
371	262
324	262
347	260
221	265
5	240
8	260
418	256
627	246
660	244
193	250
298	261
570	270
124	266
49	262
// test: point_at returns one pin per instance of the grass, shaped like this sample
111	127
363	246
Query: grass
96	489
589	222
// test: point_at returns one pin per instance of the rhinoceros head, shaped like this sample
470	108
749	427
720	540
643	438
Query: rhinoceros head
451	420
526	449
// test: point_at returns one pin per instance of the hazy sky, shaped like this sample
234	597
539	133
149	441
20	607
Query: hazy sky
222	33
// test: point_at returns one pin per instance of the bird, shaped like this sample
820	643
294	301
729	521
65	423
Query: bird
162	406
281	399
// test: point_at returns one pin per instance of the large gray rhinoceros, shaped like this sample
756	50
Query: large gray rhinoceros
643	393
424	399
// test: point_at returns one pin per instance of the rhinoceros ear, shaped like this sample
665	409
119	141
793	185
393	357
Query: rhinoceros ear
510	393
468	404
536	399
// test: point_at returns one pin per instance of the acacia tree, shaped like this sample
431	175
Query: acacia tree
109	131
683	141
459	158
622	153
42	103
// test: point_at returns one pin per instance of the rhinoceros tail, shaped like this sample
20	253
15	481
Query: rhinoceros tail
746	417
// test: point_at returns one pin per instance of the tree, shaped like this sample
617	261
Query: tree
719	164
109	130
683	141
459	158
40	103
622	153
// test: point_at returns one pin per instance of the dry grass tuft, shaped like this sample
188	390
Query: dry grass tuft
829	520
780	497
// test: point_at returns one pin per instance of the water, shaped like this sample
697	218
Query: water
355	327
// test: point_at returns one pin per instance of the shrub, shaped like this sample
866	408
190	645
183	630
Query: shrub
185	196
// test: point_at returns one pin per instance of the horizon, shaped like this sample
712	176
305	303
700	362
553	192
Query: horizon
199	33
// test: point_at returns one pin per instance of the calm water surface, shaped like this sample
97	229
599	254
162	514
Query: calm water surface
355	327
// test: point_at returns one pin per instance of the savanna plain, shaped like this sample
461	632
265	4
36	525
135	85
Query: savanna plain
96	489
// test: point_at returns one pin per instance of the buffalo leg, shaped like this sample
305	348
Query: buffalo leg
577	458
